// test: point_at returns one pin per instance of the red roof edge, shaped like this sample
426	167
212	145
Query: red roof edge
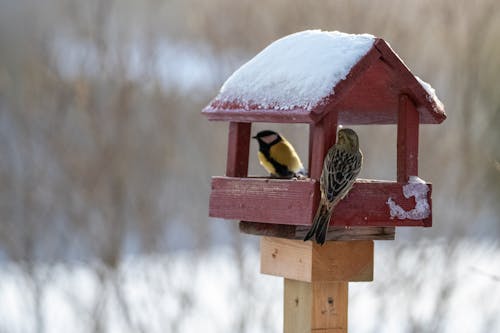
234	112
416	91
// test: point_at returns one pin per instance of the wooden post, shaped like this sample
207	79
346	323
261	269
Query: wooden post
316	280
319	307
237	149
407	146
322	136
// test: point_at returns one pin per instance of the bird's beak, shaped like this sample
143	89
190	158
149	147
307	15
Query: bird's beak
254	137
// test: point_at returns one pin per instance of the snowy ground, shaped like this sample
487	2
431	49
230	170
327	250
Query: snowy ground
434	288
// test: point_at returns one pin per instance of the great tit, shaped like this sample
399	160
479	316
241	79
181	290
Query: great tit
278	156
340	169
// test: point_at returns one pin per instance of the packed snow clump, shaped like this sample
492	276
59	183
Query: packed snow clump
296	71
417	188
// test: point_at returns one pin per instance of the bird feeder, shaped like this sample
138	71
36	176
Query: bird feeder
323	79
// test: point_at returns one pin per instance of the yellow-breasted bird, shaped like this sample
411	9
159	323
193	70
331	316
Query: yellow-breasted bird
277	155
340	169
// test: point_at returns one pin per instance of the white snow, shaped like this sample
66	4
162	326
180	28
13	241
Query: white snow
417	188
431	91
296	71
189	292
416	180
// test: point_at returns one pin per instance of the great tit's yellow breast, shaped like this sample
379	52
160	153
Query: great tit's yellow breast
265	163
284	153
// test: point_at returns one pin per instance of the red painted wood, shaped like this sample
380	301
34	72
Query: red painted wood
322	136
294	202
368	95
430	112
373	100
233	112
238	149
262	199
407	140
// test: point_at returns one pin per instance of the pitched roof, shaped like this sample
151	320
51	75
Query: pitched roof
301	77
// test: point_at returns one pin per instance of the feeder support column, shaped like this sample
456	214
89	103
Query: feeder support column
238	149
316	280
407	149
322	136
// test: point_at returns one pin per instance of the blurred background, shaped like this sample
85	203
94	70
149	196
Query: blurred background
105	166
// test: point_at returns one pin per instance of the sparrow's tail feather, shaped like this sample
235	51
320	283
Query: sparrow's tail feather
323	229
320	223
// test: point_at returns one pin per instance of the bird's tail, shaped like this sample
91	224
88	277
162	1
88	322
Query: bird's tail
320	223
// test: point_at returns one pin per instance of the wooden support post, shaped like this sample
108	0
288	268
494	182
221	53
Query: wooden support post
237	149
407	146
322	136
316	280
317	307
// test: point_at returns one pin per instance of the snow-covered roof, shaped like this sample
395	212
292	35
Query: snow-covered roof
300	77
296	71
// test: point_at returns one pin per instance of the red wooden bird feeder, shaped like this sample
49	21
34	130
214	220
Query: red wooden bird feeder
378	89
288	82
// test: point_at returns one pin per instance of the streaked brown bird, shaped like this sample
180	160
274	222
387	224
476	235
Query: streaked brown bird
278	156
340	169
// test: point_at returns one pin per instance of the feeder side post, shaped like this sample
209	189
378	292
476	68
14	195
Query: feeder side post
238	149
322	136
407	143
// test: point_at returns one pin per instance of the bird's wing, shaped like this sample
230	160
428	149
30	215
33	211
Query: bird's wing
284	154
339	173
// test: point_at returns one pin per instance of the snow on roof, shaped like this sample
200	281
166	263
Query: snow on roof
296	71
431	91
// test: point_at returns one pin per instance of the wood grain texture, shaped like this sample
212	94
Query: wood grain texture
342	261
329	306
238	149
315	307
308	261
286	258
407	140
262	199
334	233
294	202
297	306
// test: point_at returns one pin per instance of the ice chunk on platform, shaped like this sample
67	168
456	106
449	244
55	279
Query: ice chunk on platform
417	188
